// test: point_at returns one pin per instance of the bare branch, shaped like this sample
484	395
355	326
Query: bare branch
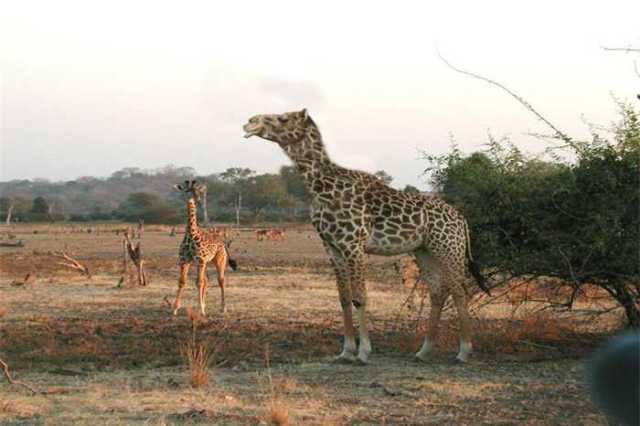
12	381
621	49
558	133
72	263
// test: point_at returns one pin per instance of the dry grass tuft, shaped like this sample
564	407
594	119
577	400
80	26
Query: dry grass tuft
198	355
278	409
285	385
16	409
534	332
279	413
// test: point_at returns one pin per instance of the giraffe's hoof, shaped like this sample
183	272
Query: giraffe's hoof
457	361
344	359
422	358
361	360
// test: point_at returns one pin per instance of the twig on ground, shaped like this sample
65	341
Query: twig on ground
72	263
12	381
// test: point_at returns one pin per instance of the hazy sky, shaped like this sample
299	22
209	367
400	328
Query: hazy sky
90	87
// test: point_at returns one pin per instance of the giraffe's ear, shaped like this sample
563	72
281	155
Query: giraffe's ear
304	115
178	187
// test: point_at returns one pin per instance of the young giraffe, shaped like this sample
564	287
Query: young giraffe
202	245
355	214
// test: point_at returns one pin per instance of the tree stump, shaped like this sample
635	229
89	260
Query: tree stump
133	253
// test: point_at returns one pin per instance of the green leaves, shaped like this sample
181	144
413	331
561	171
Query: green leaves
579	222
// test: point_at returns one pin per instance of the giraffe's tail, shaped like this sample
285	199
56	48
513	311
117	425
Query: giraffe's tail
233	264
474	267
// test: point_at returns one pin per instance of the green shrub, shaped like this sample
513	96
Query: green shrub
578	221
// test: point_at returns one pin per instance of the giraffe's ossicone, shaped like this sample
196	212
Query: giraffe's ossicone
356	214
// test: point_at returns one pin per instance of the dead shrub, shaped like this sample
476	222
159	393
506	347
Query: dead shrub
539	326
198	355
278	409
279	412
533	332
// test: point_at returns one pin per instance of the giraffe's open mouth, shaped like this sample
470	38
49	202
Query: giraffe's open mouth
251	130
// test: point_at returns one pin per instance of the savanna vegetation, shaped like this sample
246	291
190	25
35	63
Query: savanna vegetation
575	222
236	194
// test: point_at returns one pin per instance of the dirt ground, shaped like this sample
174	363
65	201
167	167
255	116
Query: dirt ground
110	355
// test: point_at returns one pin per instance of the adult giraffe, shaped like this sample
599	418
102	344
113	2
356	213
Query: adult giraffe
355	214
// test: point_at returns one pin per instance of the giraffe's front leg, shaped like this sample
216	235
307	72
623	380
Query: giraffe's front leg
202	285
359	300
344	290
184	272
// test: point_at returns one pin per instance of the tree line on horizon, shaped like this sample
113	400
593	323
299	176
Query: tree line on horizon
132	193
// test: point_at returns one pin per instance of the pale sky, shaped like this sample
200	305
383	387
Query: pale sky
89	87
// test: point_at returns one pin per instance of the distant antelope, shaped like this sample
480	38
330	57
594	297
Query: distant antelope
262	234
276	234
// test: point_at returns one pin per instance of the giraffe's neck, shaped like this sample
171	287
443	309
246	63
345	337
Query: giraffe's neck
192	221
310	156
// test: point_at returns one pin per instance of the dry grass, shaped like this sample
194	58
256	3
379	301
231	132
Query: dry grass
199	358
198	355
17	409
279	412
278	408
114	354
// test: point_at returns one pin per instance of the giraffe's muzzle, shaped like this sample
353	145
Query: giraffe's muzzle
252	129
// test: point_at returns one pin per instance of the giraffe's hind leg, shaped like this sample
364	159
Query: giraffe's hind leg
462	306
202	285
184	272
344	291
221	264
431	274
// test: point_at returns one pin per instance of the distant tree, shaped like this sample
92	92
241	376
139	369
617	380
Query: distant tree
14	206
411	189
40	206
237	174
294	184
238	177
6	207
384	177
266	191
149	207
173	171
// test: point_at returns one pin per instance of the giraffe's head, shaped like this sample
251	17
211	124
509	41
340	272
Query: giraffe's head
191	188
285	129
